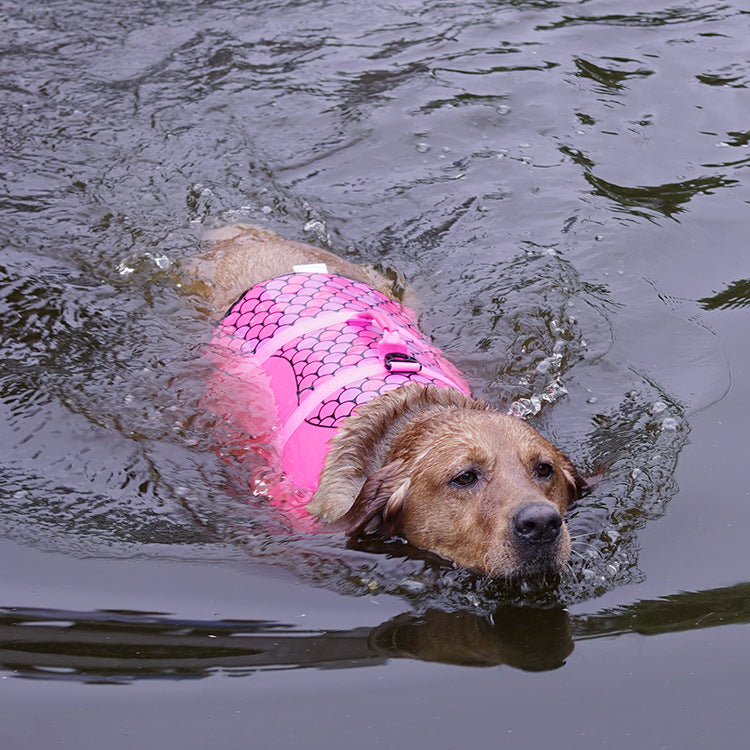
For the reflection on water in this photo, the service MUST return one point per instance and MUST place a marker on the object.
(499, 156)
(736, 294)
(118, 647)
(650, 200)
(125, 646)
(692, 610)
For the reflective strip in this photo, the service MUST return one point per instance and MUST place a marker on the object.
(310, 268)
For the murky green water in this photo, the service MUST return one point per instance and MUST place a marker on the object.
(564, 185)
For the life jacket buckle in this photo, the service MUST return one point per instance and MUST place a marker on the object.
(400, 362)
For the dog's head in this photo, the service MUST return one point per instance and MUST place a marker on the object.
(480, 488)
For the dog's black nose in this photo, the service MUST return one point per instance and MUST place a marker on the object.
(538, 523)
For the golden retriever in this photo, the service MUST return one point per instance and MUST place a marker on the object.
(428, 464)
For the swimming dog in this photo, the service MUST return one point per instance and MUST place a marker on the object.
(374, 425)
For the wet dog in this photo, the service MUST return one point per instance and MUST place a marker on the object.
(408, 453)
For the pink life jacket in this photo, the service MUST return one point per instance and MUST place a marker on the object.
(327, 344)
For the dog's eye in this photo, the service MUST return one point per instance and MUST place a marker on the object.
(544, 469)
(465, 479)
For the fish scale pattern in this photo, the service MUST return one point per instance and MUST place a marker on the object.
(267, 309)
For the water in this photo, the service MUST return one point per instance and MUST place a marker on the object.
(564, 186)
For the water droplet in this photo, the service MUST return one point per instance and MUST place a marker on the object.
(412, 587)
(315, 225)
(161, 261)
(657, 407)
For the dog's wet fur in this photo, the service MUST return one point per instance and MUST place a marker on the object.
(441, 470)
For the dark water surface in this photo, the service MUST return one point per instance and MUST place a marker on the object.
(565, 186)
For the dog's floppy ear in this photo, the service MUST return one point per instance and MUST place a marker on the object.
(577, 485)
(378, 504)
